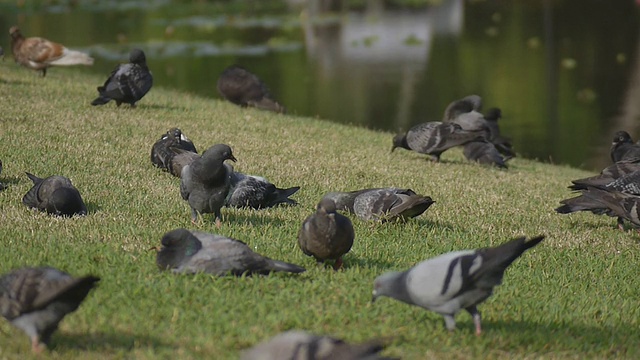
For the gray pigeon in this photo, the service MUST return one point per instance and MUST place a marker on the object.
(35, 300)
(326, 234)
(185, 251)
(607, 176)
(56, 195)
(485, 153)
(453, 281)
(257, 192)
(178, 159)
(434, 138)
(501, 143)
(613, 203)
(162, 153)
(205, 183)
(128, 83)
(623, 148)
(244, 88)
(381, 204)
(300, 345)
(466, 113)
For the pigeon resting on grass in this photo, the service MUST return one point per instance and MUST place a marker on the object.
(35, 300)
(244, 88)
(205, 183)
(485, 153)
(434, 138)
(623, 148)
(257, 192)
(128, 83)
(326, 234)
(161, 152)
(382, 204)
(38, 54)
(56, 195)
(453, 281)
(300, 345)
(189, 252)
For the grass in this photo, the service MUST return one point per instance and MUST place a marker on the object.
(574, 296)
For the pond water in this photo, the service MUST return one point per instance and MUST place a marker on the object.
(566, 73)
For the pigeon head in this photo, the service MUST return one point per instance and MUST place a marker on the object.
(66, 201)
(493, 114)
(175, 132)
(327, 206)
(400, 140)
(621, 137)
(387, 285)
(15, 33)
(136, 56)
(177, 246)
(220, 151)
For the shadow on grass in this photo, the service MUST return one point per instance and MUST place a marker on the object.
(105, 341)
(92, 207)
(250, 216)
(377, 264)
(13, 82)
(160, 107)
(10, 180)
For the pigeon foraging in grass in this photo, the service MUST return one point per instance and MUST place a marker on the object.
(453, 281)
(35, 300)
(434, 138)
(56, 195)
(185, 251)
(256, 192)
(128, 83)
(244, 88)
(38, 53)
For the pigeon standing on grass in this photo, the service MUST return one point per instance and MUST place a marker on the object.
(623, 148)
(35, 300)
(128, 83)
(38, 53)
(434, 138)
(300, 345)
(189, 252)
(244, 88)
(382, 204)
(453, 281)
(56, 195)
(161, 152)
(205, 183)
(326, 234)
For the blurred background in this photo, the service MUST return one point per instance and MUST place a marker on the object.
(565, 73)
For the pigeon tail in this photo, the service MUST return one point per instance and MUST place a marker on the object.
(282, 196)
(36, 180)
(502, 256)
(277, 265)
(580, 203)
(100, 100)
(267, 104)
(73, 57)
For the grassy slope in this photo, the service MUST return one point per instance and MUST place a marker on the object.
(576, 295)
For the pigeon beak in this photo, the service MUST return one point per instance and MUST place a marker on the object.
(233, 158)
(156, 248)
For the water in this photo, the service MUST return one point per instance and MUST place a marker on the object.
(565, 73)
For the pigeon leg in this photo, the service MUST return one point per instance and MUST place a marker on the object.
(338, 264)
(218, 219)
(194, 216)
(449, 322)
(477, 318)
(620, 224)
(434, 158)
(44, 72)
(36, 346)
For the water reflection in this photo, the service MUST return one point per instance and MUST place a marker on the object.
(566, 73)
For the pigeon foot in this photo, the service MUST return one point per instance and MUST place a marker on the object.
(338, 264)
(36, 346)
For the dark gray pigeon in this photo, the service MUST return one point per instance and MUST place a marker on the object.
(326, 234)
(623, 148)
(434, 138)
(56, 195)
(185, 251)
(381, 204)
(256, 192)
(485, 153)
(128, 83)
(453, 281)
(244, 88)
(466, 113)
(35, 300)
(161, 151)
(205, 183)
(607, 176)
(178, 159)
(501, 143)
(300, 345)
(615, 203)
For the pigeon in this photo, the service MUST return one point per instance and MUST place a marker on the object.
(501, 143)
(615, 203)
(178, 159)
(433, 138)
(381, 204)
(38, 53)
(623, 148)
(256, 192)
(465, 112)
(205, 183)
(300, 345)
(453, 281)
(607, 176)
(187, 251)
(485, 153)
(326, 235)
(161, 152)
(35, 300)
(56, 195)
(244, 88)
(128, 83)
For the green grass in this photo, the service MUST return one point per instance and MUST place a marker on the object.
(574, 296)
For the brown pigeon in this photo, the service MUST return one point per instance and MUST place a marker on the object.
(244, 88)
(38, 53)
